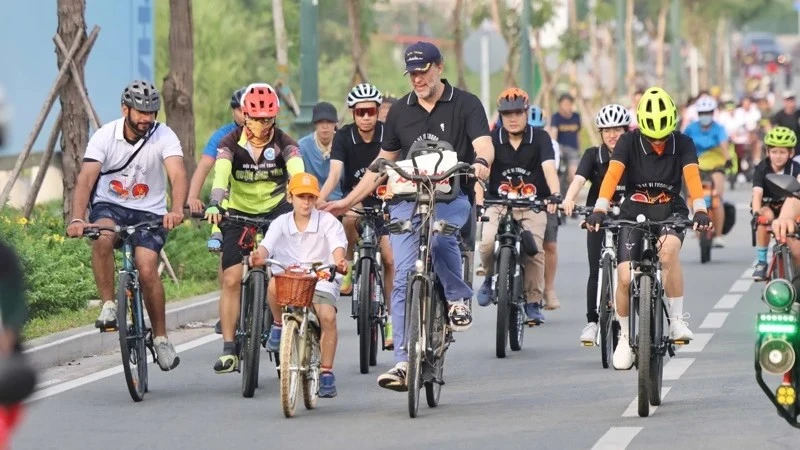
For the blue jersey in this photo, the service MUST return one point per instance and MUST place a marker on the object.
(214, 140)
(706, 139)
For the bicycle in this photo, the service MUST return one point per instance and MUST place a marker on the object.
(781, 265)
(300, 348)
(509, 271)
(135, 337)
(368, 305)
(712, 200)
(427, 330)
(647, 300)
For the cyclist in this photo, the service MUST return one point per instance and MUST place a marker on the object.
(523, 155)
(307, 235)
(780, 142)
(315, 147)
(656, 159)
(253, 166)
(711, 141)
(355, 146)
(436, 110)
(789, 116)
(131, 188)
(612, 121)
(206, 163)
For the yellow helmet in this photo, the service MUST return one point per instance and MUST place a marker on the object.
(656, 113)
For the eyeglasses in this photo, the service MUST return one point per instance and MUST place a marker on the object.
(262, 119)
(365, 112)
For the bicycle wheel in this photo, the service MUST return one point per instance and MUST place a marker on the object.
(466, 274)
(254, 304)
(311, 378)
(415, 344)
(365, 325)
(516, 321)
(131, 338)
(705, 247)
(605, 304)
(645, 342)
(433, 388)
(290, 367)
(504, 301)
(657, 358)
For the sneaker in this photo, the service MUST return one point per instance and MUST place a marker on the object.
(218, 327)
(589, 334)
(108, 315)
(165, 354)
(214, 245)
(623, 354)
(226, 363)
(395, 378)
(274, 341)
(534, 313)
(460, 316)
(327, 385)
(718, 242)
(388, 339)
(480, 271)
(760, 274)
(485, 293)
(679, 329)
(347, 282)
(551, 301)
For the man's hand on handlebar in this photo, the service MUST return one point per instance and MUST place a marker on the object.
(702, 222)
(75, 229)
(338, 207)
(595, 220)
(783, 227)
(552, 203)
(173, 219)
(481, 172)
(195, 205)
(568, 206)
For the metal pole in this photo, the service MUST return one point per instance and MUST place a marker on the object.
(620, 42)
(525, 59)
(309, 65)
(675, 47)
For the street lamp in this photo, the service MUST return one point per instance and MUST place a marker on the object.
(309, 65)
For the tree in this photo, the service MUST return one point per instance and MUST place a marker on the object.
(179, 82)
(74, 120)
(661, 32)
(458, 37)
(354, 20)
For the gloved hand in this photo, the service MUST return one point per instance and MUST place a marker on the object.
(702, 221)
(594, 220)
(479, 211)
(214, 213)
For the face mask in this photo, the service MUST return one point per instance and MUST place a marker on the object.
(258, 133)
(706, 120)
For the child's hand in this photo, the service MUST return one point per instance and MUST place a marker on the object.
(257, 258)
(342, 266)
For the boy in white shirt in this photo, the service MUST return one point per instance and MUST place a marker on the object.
(304, 236)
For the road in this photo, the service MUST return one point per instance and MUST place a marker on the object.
(553, 394)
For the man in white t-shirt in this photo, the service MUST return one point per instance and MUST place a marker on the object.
(122, 177)
(305, 236)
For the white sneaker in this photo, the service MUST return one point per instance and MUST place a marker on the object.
(679, 329)
(718, 242)
(623, 355)
(165, 354)
(108, 315)
(589, 333)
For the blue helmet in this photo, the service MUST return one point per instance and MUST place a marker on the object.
(535, 117)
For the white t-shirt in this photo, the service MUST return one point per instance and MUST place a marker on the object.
(142, 185)
(734, 123)
(324, 234)
(557, 152)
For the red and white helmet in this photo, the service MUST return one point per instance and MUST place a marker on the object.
(260, 100)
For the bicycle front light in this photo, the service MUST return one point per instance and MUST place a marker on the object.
(776, 356)
(779, 295)
(777, 324)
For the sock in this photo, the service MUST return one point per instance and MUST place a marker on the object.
(762, 254)
(277, 325)
(326, 369)
(624, 325)
(675, 306)
(229, 348)
(456, 302)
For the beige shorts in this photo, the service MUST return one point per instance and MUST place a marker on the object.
(324, 298)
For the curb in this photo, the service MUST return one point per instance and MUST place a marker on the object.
(68, 345)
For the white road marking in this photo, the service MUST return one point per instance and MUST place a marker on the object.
(697, 344)
(72, 384)
(617, 438)
(714, 320)
(633, 408)
(741, 286)
(728, 301)
(748, 274)
(676, 367)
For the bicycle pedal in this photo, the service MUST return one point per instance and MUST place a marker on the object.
(681, 341)
(438, 381)
(587, 344)
(109, 329)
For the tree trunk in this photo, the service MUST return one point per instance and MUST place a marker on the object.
(458, 38)
(705, 57)
(661, 32)
(179, 82)
(573, 27)
(630, 51)
(354, 21)
(719, 62)
(74, 120)
(281, 42)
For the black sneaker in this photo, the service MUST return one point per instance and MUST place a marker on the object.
(395, 378)
(760, 274)
(460, 317)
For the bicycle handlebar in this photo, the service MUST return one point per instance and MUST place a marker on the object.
(462, 166)
(315, 268)
(93, 231)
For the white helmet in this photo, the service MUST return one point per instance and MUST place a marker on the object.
(364, 92)
(705, 104)
(612, 116)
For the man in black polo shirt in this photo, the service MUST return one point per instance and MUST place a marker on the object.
(434, 110)
(789, 116)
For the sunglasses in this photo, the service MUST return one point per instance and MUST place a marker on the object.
(262, 119)
(365, 112)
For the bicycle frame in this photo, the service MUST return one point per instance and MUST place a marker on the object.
(137, 309)
(609, 249)
(368, 249)
(649, 266)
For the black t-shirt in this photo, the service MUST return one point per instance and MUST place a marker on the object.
(457, 118)
(356, 155)
(653, 178)
(13, 309)
(523, 164)
(568, 129)
(593, 167)
(760, 178)
(791, 121)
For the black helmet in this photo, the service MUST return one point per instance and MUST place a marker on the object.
(236, 98)
(141, 96)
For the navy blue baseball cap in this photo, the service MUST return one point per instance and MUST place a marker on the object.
(420, 57)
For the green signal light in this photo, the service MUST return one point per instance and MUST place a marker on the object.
(777, 328)
(779, 295)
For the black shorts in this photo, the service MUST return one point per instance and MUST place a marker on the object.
(629, 240)
(232, 234)
(154, 240)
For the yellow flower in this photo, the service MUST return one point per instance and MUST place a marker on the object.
(58, 238)
(22, 221)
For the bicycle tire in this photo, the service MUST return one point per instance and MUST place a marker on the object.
(433, 389)
(254, 318)
(133, 350)
(268, 322)
(365, 325)
(705, 247)
(311, 379)
(605, 304)
(415, 350)
(503, 294)
(290, 357)
(788, 265)
(657, 358)
(466, 275)
(644, 346)
(516, 320)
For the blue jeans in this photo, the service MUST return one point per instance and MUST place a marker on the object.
(445, 255)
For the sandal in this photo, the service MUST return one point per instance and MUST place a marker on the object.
(460, 317)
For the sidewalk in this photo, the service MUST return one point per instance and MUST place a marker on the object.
(68, 345)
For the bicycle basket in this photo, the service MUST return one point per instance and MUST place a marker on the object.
(295, 287)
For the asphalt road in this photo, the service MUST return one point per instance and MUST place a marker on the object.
(553, 394)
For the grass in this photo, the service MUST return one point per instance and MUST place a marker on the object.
(66, 320)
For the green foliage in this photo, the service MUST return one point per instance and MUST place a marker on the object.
(573, 45)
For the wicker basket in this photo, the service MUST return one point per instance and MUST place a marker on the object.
(295, 287)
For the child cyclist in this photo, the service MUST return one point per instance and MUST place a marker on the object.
(780, 142)
(307, 235)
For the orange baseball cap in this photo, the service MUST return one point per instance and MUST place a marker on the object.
(304, 183)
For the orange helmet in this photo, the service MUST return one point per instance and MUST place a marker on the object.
(513, 99)
(260, 100)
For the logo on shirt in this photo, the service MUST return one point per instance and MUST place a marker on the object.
(441, 125)
(269, 153)
(513, 190)
(129, 184)
(428, 136)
